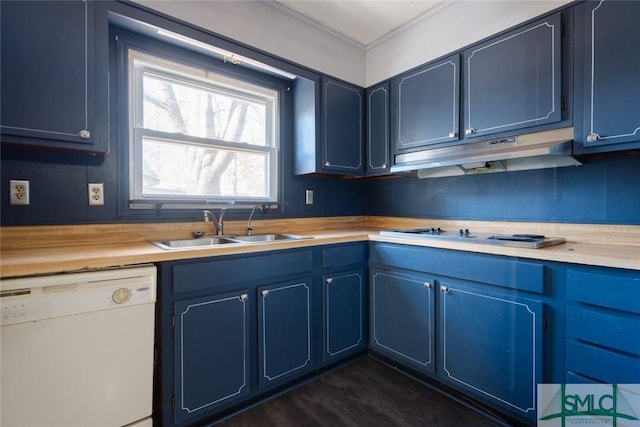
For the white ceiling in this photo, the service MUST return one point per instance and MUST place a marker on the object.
(361, 21)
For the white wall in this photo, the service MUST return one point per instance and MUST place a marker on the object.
(450, 27)
(456, 24)
(258, 24)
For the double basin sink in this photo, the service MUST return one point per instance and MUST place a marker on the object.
(206, 242)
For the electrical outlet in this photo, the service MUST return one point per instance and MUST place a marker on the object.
(308, 197)
(96, 194)
(18, 192)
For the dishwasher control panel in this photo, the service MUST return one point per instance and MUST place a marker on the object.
(13, 311)
(33, 299)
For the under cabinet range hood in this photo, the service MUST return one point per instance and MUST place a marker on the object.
(539, 150)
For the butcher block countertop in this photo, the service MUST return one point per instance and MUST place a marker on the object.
(32, 250)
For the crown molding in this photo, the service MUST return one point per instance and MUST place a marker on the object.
(409, 24)
(315, 24)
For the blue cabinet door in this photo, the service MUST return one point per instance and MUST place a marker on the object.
(514, 81)
(378, 130)
(342, 141)
(425, 105)
(284, 331)
(54, 77)
(608, 60)
(212, 341)
(344, 314)
(402, 318)
(490, 345)
(602, 325)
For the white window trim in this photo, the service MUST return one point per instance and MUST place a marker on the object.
(209, 80)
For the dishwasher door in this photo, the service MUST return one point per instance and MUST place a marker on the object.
(77, 349)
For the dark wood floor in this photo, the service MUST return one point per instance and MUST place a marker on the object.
(365, 393)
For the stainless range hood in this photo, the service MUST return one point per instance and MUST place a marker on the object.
(545, 149)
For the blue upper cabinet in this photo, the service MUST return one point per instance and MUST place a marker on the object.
(514, 81)
(328, 126)
(607, 76)
(342, 140)
(377, 130)
(425, 105)
(54, 84)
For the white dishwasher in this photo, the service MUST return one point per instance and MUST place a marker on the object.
(77, 349)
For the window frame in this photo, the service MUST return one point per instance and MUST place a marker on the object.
(165, 51)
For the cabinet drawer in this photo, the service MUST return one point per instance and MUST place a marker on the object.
(611, 289)
(489, 269)
(230, 271)
(601, 364)
(614, 331)
(341, 255)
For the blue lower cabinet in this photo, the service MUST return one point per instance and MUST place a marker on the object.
(402, 318)
(284, 331)
(603, 325)
(490, 345)
(211, 353)
(344, 313)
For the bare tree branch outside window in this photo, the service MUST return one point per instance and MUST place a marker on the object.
(205, 141)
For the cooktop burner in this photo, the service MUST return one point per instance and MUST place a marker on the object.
(532, 241)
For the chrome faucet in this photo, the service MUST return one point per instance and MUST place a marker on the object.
(218, 225)
(249, 229)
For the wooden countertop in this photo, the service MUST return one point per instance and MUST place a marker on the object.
(53, 249)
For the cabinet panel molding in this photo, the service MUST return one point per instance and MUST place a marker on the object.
(504, 335)
(514, 81)
(284, 313)
(402, 317)
(212, 362)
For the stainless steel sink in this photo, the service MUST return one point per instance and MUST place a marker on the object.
(207, 242)
(261, 238)
(201, 242)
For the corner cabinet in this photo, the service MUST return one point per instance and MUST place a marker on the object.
(471, 321)
(377, 153)
(425, 105)
(344, 300)
(403, 318)
(514, 81)
(54, 84)
(607, 76)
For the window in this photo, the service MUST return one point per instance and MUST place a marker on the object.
(199, 136)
